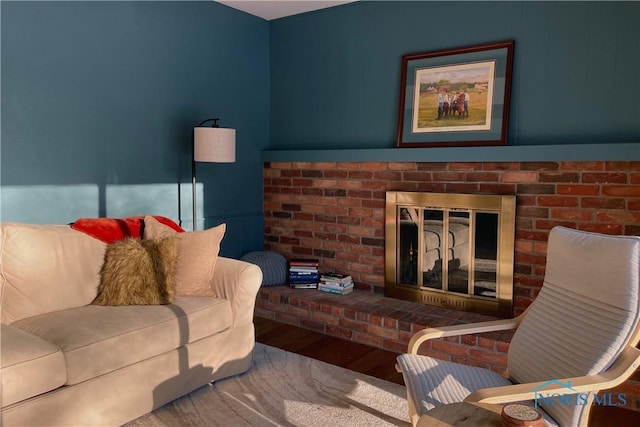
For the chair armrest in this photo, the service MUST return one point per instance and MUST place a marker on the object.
(239, 282)
(622, 369)
(470, 328)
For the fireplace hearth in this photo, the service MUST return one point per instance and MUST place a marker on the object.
(451, 250)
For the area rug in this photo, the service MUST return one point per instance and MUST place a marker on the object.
(286, 389)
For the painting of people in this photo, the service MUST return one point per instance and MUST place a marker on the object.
(454, 98)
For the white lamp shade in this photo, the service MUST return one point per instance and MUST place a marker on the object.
(214, 145)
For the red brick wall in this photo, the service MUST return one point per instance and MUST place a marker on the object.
(335, 211)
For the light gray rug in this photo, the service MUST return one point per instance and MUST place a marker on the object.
(286, 389)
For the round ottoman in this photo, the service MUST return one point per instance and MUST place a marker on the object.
(273, 266)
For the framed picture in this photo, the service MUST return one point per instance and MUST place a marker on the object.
(456, 97)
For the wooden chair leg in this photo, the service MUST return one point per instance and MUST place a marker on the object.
(413, 411)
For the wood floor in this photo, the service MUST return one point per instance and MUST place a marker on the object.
(381, 363)
(351, 355)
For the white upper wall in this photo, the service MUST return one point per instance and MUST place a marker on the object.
(274, 9)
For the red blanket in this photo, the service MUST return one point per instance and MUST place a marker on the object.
(110, 230)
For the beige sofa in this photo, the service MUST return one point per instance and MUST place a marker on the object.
(67, 362)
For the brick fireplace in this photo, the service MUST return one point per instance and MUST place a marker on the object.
(335, 211)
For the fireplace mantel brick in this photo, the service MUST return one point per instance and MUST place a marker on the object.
(334, 211)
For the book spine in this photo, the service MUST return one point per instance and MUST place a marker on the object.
(304, 263)
(330, 290)
(304, 277)
(336, 285)
(335, 291)
(304, 285)
(303, 280)
(333, 282)
(335, 279)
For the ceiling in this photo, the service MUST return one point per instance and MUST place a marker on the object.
(274, 9)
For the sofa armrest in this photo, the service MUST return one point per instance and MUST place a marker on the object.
(239, 282)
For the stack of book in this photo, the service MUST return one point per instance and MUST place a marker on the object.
(303, 273)
(336, 283)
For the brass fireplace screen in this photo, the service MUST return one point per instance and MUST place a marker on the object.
(469, 267)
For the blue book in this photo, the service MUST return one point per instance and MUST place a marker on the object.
(303, 280)
(313, 276)
(304, 273)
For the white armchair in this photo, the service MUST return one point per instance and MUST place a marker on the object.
(580, 332)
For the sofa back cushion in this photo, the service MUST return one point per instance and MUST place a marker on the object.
(45, 268)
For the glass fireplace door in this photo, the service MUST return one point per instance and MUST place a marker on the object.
(442, 247)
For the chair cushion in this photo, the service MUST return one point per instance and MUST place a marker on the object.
(432, 382)
(597, 266)
(29, 365)
(100, 339)
(45, 268)
(584, 315)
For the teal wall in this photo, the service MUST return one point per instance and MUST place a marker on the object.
(336, 74)
(99, 98)
(98, 104)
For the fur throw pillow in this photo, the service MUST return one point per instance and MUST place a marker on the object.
(138, 272)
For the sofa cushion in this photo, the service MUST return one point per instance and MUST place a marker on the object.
(28, 365)
(197, 256)
(97, 339)
(45, 268)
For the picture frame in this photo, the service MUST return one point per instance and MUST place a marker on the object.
(456, 97)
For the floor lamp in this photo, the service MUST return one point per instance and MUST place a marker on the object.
(211, 145)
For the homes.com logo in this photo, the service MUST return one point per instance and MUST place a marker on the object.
(573, 398)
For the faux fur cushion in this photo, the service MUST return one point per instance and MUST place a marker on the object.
(197, 255)
(109, 230)
(138, 272)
